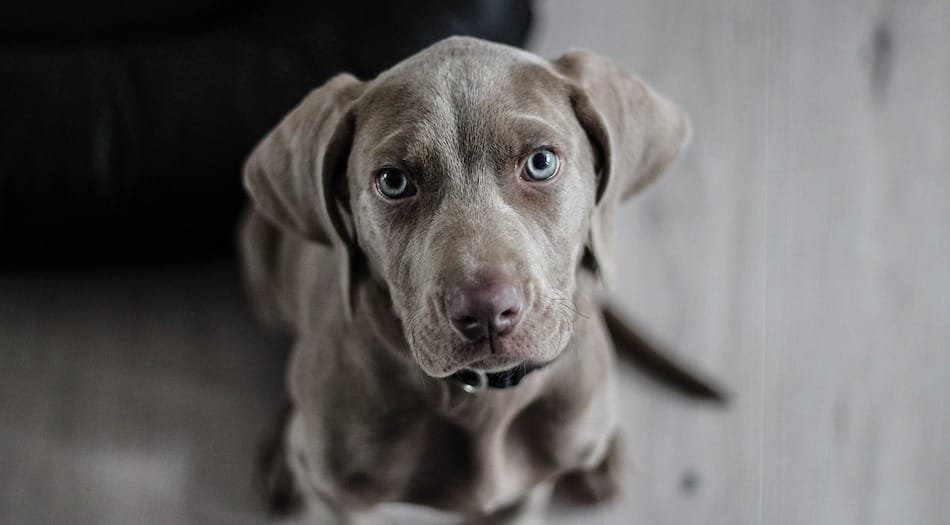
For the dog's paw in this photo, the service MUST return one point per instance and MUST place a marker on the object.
(600, 484)
(280, 492)
(274, 478)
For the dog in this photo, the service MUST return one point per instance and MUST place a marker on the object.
(434, 240)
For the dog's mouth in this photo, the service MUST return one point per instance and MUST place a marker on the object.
(494, 363)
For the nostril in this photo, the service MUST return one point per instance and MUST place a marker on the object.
(509, 314)
(505, 321)
(467, 322)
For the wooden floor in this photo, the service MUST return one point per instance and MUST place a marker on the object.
(800, 252)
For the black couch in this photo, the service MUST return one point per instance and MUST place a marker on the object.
(123, 125)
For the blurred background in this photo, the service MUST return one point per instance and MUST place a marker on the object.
(799, 252)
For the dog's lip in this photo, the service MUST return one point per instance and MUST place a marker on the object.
(482, 361)
(494, 363)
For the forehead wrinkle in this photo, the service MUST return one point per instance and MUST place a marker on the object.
(479, 128)
(391, 144)
(420, 140)
(432, 147)
(533, 128)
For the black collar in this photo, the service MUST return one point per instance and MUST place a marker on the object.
(473, 381)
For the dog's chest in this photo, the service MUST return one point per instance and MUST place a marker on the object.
(492, 460)
(469, 453)
(472, 461)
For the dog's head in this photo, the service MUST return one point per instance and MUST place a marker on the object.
(472, 182)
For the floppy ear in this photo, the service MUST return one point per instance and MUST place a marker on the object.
(293, 174)
(636, 132)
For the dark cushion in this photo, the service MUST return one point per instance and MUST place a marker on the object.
(123, 131)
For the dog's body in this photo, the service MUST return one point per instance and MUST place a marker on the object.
(389, 304)
(375, 428)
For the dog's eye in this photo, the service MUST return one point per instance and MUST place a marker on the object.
(394, 184)
(541, 165)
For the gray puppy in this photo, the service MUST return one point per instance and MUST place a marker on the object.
(433, 239)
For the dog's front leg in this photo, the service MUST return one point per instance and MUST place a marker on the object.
(288, 480)
(322, 511)
(599, 484)
(530, 510)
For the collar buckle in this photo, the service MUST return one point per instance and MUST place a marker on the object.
(473, 381)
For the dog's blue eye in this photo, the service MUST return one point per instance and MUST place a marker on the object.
(394, 184)
(541, 165)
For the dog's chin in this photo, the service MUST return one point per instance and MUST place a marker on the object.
(481, 357)
(493, 363)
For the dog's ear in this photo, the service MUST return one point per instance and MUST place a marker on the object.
(636, 134)
(296, 174)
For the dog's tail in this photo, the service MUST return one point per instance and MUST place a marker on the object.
(657, 362)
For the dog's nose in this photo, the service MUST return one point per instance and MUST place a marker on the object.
(489, 307)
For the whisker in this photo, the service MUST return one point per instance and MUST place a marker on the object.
(559, 299)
